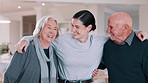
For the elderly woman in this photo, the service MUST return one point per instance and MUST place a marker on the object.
(38, 63)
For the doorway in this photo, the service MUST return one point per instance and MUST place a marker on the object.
(29, 23)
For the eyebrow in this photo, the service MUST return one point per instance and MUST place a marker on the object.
(56, 27)
(48, 24)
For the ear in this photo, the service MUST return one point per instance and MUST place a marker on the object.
(89, 27)
(126, 27)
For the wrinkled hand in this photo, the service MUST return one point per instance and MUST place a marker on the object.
(95, 72)
(20, 45)
(142, 35)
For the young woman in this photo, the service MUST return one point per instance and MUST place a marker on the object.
(38, 63)
(79, 52)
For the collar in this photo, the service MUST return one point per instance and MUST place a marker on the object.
(128, 40)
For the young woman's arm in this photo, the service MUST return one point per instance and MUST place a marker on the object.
(23, 43)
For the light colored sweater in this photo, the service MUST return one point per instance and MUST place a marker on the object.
(77, 61)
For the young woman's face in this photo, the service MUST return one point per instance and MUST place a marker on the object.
(79, 30)
(49, 31)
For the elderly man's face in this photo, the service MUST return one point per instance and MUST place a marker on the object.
(115, 30)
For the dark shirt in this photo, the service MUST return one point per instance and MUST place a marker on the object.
(47, 54)
(126, 63)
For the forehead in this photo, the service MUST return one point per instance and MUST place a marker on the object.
(52, 22)
(76, 21)
(114, 21)
(111, 23)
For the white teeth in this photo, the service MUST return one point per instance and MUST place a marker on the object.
(49, 36)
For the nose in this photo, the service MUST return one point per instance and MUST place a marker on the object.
(51, 30)
(108, 30)
(73, 29)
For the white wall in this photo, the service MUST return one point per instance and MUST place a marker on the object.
(13, 31)
(61, 13)
(4, 33)
(98, 1)
(10, 33)
(65, 13)
(14, 34)
(143, 18)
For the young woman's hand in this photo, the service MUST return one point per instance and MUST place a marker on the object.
(95, 72)
(142, 35)
(20, 45)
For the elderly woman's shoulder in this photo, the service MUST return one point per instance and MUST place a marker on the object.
(145, 42)
(31, 45)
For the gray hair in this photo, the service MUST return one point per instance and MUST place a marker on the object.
(40, 24)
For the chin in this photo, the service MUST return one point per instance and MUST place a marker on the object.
(49, 40)
(75, 36)
(112, 38)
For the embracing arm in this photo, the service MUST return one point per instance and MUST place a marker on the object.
(141, 35)
(23, 43)
(101, 66)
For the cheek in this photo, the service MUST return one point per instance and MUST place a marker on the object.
(80, 31)
(84, 31)
(44, 31)
(55, 33)
(120, 32)
(115, 31)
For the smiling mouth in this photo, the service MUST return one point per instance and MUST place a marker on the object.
(50, 36)
(75, 33)
(111, 34)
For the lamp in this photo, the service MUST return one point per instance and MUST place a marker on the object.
(2, 18)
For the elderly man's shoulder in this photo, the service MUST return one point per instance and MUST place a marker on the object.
(145, 41)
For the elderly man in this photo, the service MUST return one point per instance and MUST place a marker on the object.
(124, 55)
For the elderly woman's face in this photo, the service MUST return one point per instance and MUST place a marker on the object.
(49, 31)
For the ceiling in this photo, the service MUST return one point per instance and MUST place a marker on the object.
(7, 6)
(11, 6)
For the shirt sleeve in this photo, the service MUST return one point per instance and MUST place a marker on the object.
(27, 38)
(101, 65)
(136, 31)
(16, 68)
(106, 38)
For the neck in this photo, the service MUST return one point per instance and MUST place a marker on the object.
(125, 36)
(44, 43)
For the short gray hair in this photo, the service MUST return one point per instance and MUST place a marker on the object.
(40, 24)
